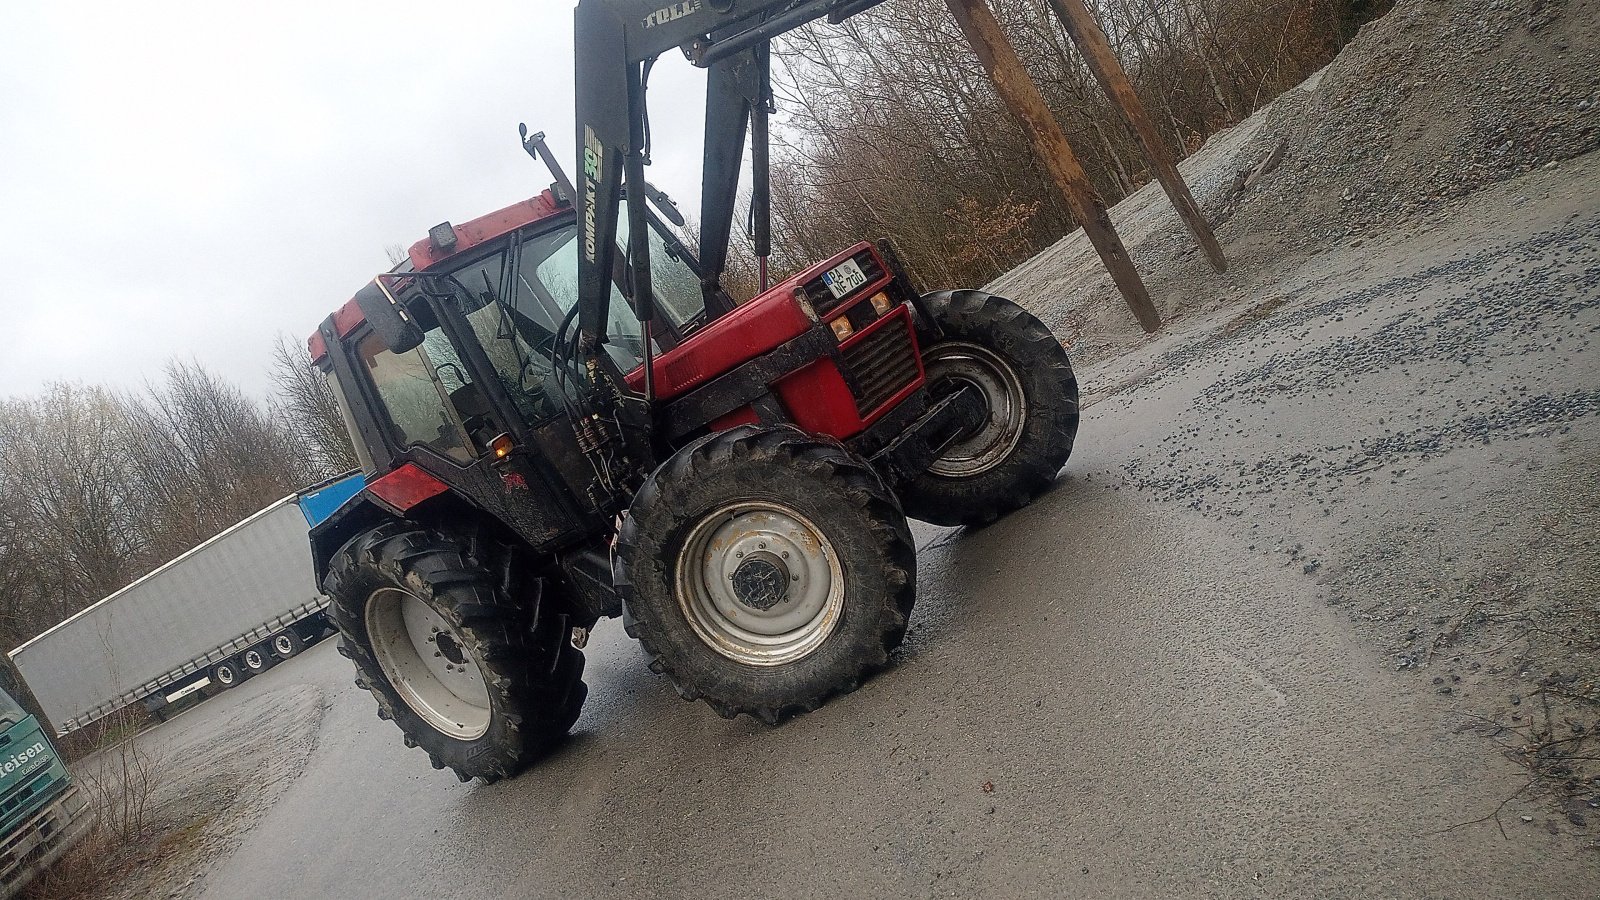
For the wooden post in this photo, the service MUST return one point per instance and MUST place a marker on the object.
(1096, 50)
(1019, 92)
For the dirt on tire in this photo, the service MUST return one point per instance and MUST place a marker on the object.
(836, 490)
(520, 645)
(1046, 407)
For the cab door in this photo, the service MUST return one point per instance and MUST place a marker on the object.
(434, 412)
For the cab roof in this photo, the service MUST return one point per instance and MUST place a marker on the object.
(423, 256)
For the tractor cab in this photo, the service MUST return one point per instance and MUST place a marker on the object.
(480, 381)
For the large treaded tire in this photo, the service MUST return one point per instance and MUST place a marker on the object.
(822, 482)
(522, 646)
(1017, 341)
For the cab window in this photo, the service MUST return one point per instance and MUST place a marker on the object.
(675, 284)
(417, 403)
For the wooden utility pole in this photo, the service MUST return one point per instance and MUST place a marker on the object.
(1096, 50)
(1017, 90)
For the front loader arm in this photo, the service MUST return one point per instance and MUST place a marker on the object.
(614, 39)
(604, 112)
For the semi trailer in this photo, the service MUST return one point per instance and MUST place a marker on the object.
(229, 608)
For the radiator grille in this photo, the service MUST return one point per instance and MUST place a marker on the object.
(883, 363)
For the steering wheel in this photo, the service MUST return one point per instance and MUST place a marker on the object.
(531, 379)
(455, 372)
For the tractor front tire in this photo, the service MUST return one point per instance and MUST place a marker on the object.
(483, 681)
(764, 570)
(1031, 400)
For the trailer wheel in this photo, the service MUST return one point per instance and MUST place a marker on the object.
(226, 674)
(476, 670)
(256, 660)
(764, 571)
(1026, 381)
(287, 643)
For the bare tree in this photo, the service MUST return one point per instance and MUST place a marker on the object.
(204, 455)
(306, 405)
(72, 532)
(889, 127)
(98, 487)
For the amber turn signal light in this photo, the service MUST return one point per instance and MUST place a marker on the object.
(882, 303)
(501, 446)
(842, 329)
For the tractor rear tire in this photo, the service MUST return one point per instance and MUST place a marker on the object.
(1026, 380)
(476, 669)
(765, 570)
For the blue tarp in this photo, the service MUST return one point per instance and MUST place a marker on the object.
(320, 502)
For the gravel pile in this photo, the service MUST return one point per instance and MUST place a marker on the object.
(1429, 103)
(1394, 389)
(1426, 106)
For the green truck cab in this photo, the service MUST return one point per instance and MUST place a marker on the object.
(42, 812)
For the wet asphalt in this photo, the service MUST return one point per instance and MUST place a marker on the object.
(1112, 693)
(1088, 706)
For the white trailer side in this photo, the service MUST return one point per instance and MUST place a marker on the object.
(231, 592)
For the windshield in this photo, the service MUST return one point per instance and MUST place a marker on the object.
(520, 299)
(11, 712)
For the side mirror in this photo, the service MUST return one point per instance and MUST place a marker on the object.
(396, 329)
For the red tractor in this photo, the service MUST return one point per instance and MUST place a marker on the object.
(564, 416)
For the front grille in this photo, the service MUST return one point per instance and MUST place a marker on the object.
(822, 299)
(882, 363)
(21, 798)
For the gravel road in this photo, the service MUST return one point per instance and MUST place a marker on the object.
(1184, 671)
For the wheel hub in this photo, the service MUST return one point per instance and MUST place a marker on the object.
(449, 648)
(761, 581)
(983, 447)
(427, 663)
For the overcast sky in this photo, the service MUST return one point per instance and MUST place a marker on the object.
(189, 179)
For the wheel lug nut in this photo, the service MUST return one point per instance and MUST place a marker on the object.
(738, 554)
(761, 546)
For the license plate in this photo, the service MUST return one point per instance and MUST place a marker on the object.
(844, 278)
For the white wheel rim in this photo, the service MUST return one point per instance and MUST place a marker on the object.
(225, 675)
(254, 660)
(424, 658)
(283, 645)
(760, 584)
(957, 363)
